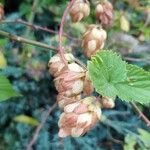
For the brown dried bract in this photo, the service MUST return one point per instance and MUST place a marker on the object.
(107, 102)
(88, 88)
(56, 65)
(104, 14)
(64, 100)
(79, 10)
(78, 118)
(93, 40)
(70, 81)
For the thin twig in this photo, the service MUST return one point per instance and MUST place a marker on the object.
(27, 41)
(141, 115)
(39, 127)
(136, 59)
(61, 51)
(36, 27)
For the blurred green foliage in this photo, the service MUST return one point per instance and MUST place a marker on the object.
(6, 90)
(27, 70)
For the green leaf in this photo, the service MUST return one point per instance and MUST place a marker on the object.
(130, 142)
(105, 70)
(6, 90)
(136, 87)
(113, 77)
(27, 120)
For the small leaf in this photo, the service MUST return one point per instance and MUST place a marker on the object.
(3, 61)
(6, 89)
(113, 77)
(26, 120)
(124, 23)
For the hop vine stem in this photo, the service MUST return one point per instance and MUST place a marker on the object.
(61, 50)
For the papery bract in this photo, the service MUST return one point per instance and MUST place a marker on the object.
(104, 13)
(93, 40)
(79, 10)
(79, 117)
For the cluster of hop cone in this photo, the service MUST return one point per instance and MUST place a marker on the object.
(81, 110)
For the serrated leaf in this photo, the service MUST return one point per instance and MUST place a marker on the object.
(105, 70)
(137, 86)
(113, 77)
(26, 120)
(6, 89)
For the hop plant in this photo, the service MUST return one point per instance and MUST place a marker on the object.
(79, 115)
(79, 10)
(93, 40)
(104, 13)
(81, 110)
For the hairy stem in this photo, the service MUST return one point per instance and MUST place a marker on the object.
(61, 50)
(141, 115)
